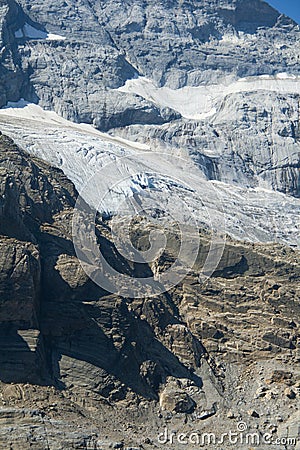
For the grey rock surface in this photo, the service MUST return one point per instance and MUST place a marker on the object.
(12, 77)
(252, 141)
(174, 43)
(98, 46)
(178, 42)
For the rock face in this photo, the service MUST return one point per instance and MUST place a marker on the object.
(12, 78)
(57, 327)
(216, 83)
(175, 44)
(175, 399)
(169, 42)
(90, 355)
(77, 58)
(252, 140)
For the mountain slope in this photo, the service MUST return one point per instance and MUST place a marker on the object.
(106, 43)
(225, 187)
(176, 88)
(177, 121)
(104, 354)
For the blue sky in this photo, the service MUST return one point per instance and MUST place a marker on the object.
(289, 7)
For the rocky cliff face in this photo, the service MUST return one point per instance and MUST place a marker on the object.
(12, 78)
(93, 355)
(177, 43)
(89, 61)
(213, 87)
(252, 141)
(99, 45)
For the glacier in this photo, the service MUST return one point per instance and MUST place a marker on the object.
(122, 169)
(201, 102)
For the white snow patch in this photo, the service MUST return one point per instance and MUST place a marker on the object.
(203, 101)
(32, 112)
(28, 31)
(190, 102)
(233, 38)
(285, 76)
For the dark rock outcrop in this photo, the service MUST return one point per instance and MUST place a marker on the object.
(14, 81)
(45, 292)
